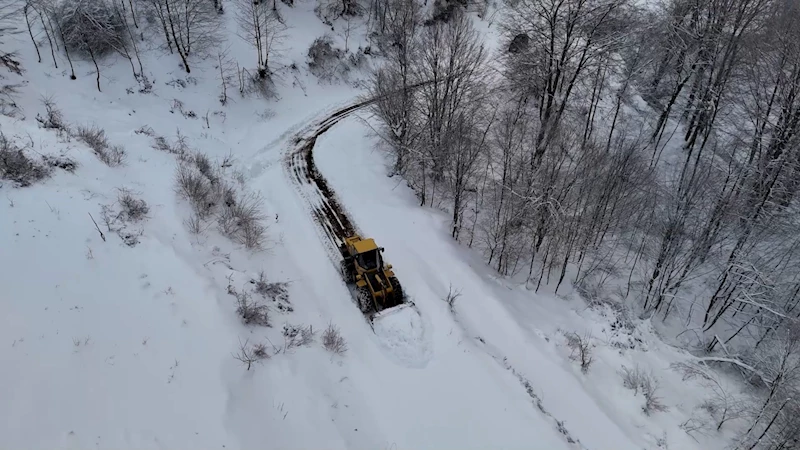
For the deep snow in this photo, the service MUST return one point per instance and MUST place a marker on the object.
(109, 346)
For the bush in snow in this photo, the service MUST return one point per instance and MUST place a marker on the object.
(241, 219)
(444, 10)
(239, 215)
(193, 186)
(95, 138)
(269, 289)
(132, 208)
(91, 26)
(194, 224)
(119, 216)
(452, 296)
(17, 167)
(581, 349)
(297, 335)
(251, 311)
(53, 118)
(329, 10)
(328, 62)
(249, 354)
(638, 380)
(8, 100)
(257, 84)
(333, 341)
(204, 165)
(277, 291)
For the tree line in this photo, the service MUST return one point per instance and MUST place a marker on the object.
(645, 153)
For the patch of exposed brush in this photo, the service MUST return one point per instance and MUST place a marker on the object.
(297, 336)
(123, 216)
(251, 311)
(96, 139)
(333, 341)
(277, 291)
(53, 118)
(238, 215)
(19, 168)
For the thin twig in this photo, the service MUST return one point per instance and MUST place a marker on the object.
(103, 236)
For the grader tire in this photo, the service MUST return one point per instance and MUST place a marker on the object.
(397, 291)
(365, 302)
(347, 271)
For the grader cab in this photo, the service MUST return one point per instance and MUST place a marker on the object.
(377, 287)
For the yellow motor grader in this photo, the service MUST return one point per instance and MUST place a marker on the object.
(377, 287)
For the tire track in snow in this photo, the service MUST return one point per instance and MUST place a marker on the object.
(496, 354)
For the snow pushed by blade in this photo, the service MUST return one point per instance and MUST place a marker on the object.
(401, 332)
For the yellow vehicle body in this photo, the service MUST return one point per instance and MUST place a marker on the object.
(376, 284)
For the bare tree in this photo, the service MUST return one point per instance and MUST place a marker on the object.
(563, 38)
(26, 10)
(451, 58)
(260, 27)
(189, 26)
(225, 76)
(393, 82)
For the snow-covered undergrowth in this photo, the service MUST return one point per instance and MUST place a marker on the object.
(120, 313)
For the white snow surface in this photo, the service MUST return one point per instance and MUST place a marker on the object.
(103, 345)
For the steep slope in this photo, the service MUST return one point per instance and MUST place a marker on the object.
(114, 344)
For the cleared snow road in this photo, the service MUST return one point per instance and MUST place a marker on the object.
(434, 384)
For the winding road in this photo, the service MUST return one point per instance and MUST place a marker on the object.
(328, 212)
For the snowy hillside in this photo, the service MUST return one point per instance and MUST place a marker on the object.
(121, 304)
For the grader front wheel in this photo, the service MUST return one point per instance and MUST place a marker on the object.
(348, 271)
(364, 299)
(397, 291)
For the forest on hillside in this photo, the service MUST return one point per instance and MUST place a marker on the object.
(648, 153)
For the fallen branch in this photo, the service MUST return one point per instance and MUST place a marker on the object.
(738, 364)
(103, 236)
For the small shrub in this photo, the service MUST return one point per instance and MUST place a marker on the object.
(241, 221)
(95, 138)
(297, 335)
(193, 186)
(248, 354)
(581, 349)
(258, 83)
(328, 10)
(452, 296)
(133, 209)
(637, 380)
(203, 164)
(274, 290)
(53, 118)
(260, 351)
(61, 162)
(194, 223)
(17, 167)
(145, 130)
(8, 100)
(325, 60)
(177, 105)
(333, 341)
(634, 378)
(180, 148)
(251, 311)
(445, 10)
(118, 222)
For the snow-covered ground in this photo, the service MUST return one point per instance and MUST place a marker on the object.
(107, 345)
